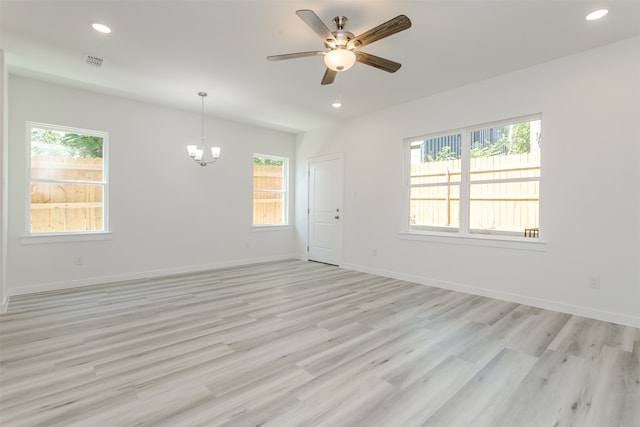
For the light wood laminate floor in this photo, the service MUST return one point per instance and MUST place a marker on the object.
(297, 343)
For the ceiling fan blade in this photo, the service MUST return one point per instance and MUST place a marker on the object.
(392, 26)
(329, 76)
(294, 55)
(380, 63)
(311, 19)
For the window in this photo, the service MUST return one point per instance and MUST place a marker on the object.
(68, 180)
(436, 170)
(270, 190)
(478, 180)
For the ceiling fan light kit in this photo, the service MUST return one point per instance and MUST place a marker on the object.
(339, 59)
(343, 45)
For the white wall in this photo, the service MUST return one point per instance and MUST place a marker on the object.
(590, 196)
(167, 214)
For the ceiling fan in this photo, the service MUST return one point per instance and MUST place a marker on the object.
(343, 45)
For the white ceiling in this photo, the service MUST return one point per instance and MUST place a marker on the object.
(165, 52)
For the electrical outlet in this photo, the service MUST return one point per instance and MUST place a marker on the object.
(594, 282)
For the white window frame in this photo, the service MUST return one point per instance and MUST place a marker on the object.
(464, 233)
(284, 191)
(67, 236)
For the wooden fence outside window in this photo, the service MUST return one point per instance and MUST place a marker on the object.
(268, 206)
(66, 206)
(511, 205)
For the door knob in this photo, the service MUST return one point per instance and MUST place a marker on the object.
(337, 217)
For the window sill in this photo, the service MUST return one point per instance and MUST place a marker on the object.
(260, 228)
(506, 242)
(37, 239)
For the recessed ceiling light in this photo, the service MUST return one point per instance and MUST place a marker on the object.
(100, 27)
(596, 14)
(337, 104)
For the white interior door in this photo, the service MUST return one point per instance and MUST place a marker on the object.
(325, 210)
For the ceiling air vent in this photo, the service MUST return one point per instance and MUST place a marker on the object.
(92, 60)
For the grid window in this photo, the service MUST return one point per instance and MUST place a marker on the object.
(68, 180)
(270, 190)
(479, 180)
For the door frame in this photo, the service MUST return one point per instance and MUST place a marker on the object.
(319, 159)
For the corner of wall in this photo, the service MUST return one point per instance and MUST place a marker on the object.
(4, 297)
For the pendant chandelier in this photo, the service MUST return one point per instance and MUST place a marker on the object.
(197, 152)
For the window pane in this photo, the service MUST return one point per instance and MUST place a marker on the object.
(268, 177)
(57, 207)
(510, 152)
(436, 160)
(435, 206)
(269, 190)
(66, 156)
(526, 165)
(505, 152)
(505, 207)
(268, 208)
(67, 168)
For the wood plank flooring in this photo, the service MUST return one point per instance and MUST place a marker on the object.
(297, 343)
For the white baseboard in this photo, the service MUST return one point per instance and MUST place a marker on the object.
(90, 281)
(621, 319)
